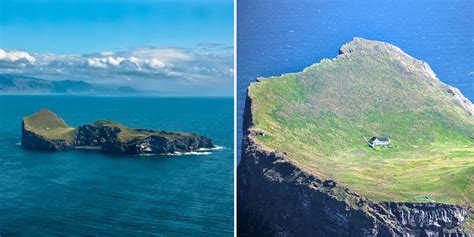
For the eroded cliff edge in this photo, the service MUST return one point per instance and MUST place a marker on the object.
(275, 197)
(47, 131)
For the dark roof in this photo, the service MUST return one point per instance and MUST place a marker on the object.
(382, 139)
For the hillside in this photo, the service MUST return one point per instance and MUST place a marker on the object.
(324, 116)
(19, 84)
(10, 83)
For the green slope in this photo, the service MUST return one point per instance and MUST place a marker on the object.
(322, 118)
(49, 125)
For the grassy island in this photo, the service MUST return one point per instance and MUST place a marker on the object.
(323, 117)
(45, 130)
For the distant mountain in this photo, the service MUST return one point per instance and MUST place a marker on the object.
(18, 84)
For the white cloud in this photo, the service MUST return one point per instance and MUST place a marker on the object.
(126, 64)
(104, 62)
(155, 63)
(16, 56)
(96, 63)
(143, 68)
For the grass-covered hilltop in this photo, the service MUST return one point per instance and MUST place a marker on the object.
(323, 117)
(370, 143)
(44, 130)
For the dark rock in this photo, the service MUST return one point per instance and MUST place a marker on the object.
(329, 184)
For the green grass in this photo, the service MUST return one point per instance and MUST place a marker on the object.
(49, 125)
(323, 117)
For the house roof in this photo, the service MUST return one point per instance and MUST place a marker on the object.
(382, 139)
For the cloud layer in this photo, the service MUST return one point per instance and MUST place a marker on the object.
(204, 70)
(16, 56)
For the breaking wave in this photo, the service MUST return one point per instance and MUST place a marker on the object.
(212, 149)
(199, 152)
(191, 153)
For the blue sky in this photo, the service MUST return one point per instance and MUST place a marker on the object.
(174, 47)
(86, 26)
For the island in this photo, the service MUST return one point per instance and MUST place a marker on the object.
(309, 165)
(46, 131)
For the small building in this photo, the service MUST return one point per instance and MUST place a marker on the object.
(378, 141)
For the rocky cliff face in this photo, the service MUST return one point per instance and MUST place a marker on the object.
(46, 131)
(277, 198)
(428, 218)
(107, 138)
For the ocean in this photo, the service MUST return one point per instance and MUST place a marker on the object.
(276, 37)
(89, 193)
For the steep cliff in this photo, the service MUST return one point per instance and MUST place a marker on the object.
(46, 131)
(288, 184)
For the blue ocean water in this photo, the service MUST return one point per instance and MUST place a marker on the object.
(275, 37)
(88, 193)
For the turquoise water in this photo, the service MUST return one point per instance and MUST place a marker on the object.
(87, 193)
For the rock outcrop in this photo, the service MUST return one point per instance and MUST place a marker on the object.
(46, 131)
(463, 101)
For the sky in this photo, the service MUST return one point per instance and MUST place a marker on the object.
(161, 44)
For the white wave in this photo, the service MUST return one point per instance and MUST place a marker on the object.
(199, 153)
(211, 149)
(18, 143)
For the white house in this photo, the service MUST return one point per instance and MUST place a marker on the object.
(378, 141)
